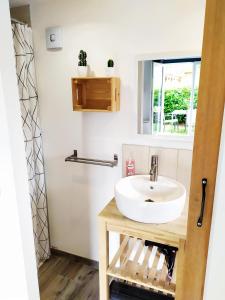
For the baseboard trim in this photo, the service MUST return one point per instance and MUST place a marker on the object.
(81, 259)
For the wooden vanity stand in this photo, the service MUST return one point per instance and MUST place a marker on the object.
(127, 263)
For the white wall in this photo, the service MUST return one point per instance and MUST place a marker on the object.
(18, 272)
(105, 29)
(214, 283)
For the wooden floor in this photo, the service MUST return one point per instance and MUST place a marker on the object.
(65, 277)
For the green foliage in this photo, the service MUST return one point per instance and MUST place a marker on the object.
(176, 99)
(82, 58)
(195, 98)
(110, 63)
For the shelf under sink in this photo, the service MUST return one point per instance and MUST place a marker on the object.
(142, 265)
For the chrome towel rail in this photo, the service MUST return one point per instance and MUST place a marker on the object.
(99, 162)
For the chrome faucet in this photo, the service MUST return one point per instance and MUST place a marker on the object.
(154, 168)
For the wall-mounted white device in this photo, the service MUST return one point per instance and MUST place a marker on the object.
(54, 38)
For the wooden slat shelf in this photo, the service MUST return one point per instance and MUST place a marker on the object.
(142, 265)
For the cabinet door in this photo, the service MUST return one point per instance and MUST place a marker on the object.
(206, 148)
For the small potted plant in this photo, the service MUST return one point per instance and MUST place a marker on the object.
(82, 64)
(110, 68)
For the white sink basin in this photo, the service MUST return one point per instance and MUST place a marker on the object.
(147, 201)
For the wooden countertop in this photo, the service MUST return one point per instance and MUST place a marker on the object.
(169, 233)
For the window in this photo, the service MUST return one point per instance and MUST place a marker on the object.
(168, 89)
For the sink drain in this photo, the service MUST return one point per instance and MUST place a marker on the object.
(149, 200)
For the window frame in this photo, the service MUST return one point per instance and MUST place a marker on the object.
(140, 59)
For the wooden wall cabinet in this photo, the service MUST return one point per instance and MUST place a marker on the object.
(96, 94)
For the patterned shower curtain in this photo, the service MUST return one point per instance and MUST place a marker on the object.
(22, 37)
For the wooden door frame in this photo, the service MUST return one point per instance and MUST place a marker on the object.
(206, 148)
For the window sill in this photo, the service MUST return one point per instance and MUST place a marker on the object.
(164, 141)
(173, 137)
